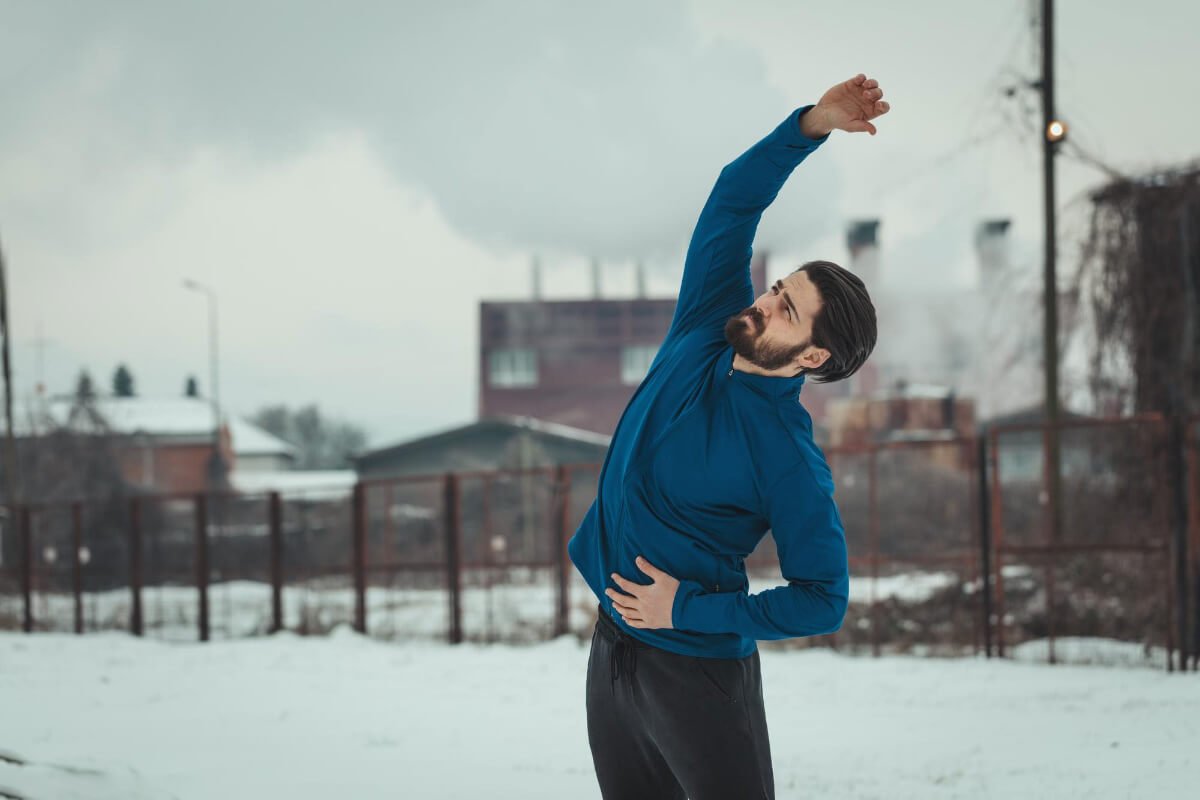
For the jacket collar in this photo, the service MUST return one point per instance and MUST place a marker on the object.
(771, 385)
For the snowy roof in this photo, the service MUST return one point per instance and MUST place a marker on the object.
(558, 429)
(554, 429)
(249, 439)
(309, 484)
(161, 416)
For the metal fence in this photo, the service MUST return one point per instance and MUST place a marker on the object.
(951, 552)
(1108, 572)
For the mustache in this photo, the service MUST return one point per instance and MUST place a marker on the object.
(755, 316)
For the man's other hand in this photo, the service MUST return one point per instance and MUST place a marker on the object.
(645, 606)
(848, 106)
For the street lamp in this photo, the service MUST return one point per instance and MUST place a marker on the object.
(1056, 130)
(216, 464)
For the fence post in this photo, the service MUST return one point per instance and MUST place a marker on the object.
(26, 531)
(201, 503)
(1193, 469)
(76, 567)
(985, 542)
(1177, 475)
(562, 492)
(359, 535)
(1051, 484)
(135, 566)
(873, 532)
(453, 565)
(276, 521)
(996, 537)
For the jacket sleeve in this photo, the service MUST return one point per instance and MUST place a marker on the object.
(716, 273)
(811, 543)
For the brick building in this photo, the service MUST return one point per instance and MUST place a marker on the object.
(577, 362)
(165, 443)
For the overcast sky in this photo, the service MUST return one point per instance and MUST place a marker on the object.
(353, 178)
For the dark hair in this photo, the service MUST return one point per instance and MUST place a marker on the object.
(845, 325)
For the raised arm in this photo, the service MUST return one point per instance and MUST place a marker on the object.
(811, 543)
(716, 273)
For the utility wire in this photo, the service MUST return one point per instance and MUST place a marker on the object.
(996, 88)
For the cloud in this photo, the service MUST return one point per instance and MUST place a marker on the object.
(593, 129)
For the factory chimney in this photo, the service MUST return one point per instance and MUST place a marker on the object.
(758, 271)
(992, 247)
(862, 242)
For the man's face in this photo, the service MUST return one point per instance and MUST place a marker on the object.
(777, 330)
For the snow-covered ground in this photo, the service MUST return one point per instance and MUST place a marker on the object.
(111, 716)
(519, 609)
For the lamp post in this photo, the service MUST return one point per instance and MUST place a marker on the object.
(216, 464)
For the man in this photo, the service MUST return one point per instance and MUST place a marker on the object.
(713, 450)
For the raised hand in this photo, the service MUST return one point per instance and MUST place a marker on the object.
(847, 106)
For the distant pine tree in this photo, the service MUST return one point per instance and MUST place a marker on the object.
(123, 382)
(191, 388)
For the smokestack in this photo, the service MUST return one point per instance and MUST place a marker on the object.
(596, 278)
(536, 268)
(862, 242)
(758, 272)
(640, 275)
(992, 247)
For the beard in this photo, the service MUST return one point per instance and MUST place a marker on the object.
(744, 331)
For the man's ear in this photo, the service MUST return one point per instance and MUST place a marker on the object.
(812, 358)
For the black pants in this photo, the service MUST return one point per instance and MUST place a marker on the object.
(663, 725)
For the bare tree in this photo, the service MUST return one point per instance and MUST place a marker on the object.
(323, 443)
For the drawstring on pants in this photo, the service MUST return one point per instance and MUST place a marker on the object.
(623, 658)
(622, 653)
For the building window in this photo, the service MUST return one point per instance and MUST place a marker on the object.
(636, 361)
(513, 367)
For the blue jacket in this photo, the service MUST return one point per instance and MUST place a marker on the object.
(706, 459)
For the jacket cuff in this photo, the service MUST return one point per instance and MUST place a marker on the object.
(686, 591)
(798, 137)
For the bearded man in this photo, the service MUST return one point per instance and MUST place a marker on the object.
(714, 449)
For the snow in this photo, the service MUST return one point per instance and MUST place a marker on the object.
(162, 416)
(315, 484)
(520, 609)
(517, 607)
(909, 587)
(108, 715)
(1088, 650)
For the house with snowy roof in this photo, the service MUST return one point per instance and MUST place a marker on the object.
(492, 442)
(166, 442)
